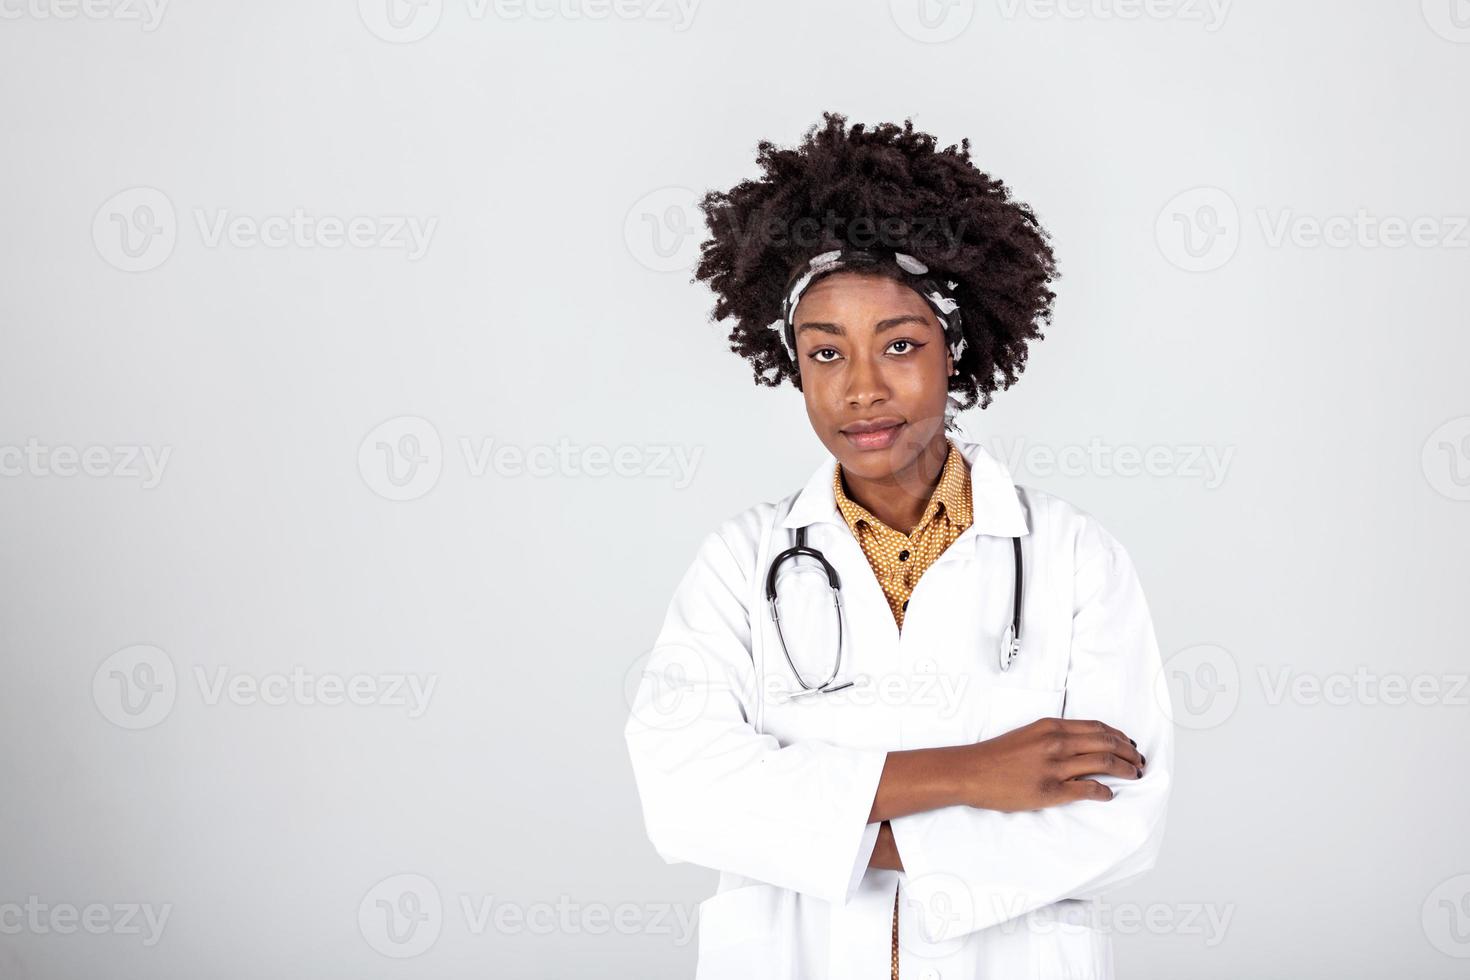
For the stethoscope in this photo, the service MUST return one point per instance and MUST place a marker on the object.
(1010, 643)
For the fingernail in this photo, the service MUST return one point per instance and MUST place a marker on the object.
(1133, 743)
(1142, 759)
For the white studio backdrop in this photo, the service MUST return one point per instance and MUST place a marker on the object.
(358, 417)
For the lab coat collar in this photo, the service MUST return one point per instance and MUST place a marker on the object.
(997, 509)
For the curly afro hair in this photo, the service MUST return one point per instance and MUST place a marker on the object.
(888, 187)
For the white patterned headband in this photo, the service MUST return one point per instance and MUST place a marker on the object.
(946, 308)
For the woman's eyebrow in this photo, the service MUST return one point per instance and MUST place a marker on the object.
(888, 324)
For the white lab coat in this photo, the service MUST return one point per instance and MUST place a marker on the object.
(775, 795)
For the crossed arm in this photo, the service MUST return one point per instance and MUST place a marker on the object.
(1017, 821)
(1045, 763)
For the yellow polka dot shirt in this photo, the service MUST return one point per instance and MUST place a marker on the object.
(899, 559)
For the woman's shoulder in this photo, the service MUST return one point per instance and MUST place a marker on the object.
(1061, 524)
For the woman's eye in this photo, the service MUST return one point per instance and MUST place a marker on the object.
(817, 354)
(905, 345)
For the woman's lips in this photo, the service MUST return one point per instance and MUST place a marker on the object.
(876, 438)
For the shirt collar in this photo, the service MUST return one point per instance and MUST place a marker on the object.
(996, 508)
(950, 494)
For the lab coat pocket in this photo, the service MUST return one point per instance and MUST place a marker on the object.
(747, 932)
(1008, 707)
(1065, 945)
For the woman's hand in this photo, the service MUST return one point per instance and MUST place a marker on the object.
(1045, 763)
(1036, 766)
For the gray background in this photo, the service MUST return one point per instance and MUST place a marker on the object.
(558, 157)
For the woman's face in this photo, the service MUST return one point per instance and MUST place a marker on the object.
(874, 371)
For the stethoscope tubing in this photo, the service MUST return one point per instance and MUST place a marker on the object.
(1010, 644)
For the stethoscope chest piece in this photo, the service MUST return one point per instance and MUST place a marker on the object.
(1010, 646)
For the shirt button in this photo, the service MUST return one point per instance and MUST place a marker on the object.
(903, 555)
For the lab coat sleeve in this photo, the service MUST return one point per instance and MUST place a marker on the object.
(716, 792)
(993, 866)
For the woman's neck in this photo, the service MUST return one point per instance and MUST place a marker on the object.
(899, 499)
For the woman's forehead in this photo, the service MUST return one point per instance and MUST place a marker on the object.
(863, 297)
